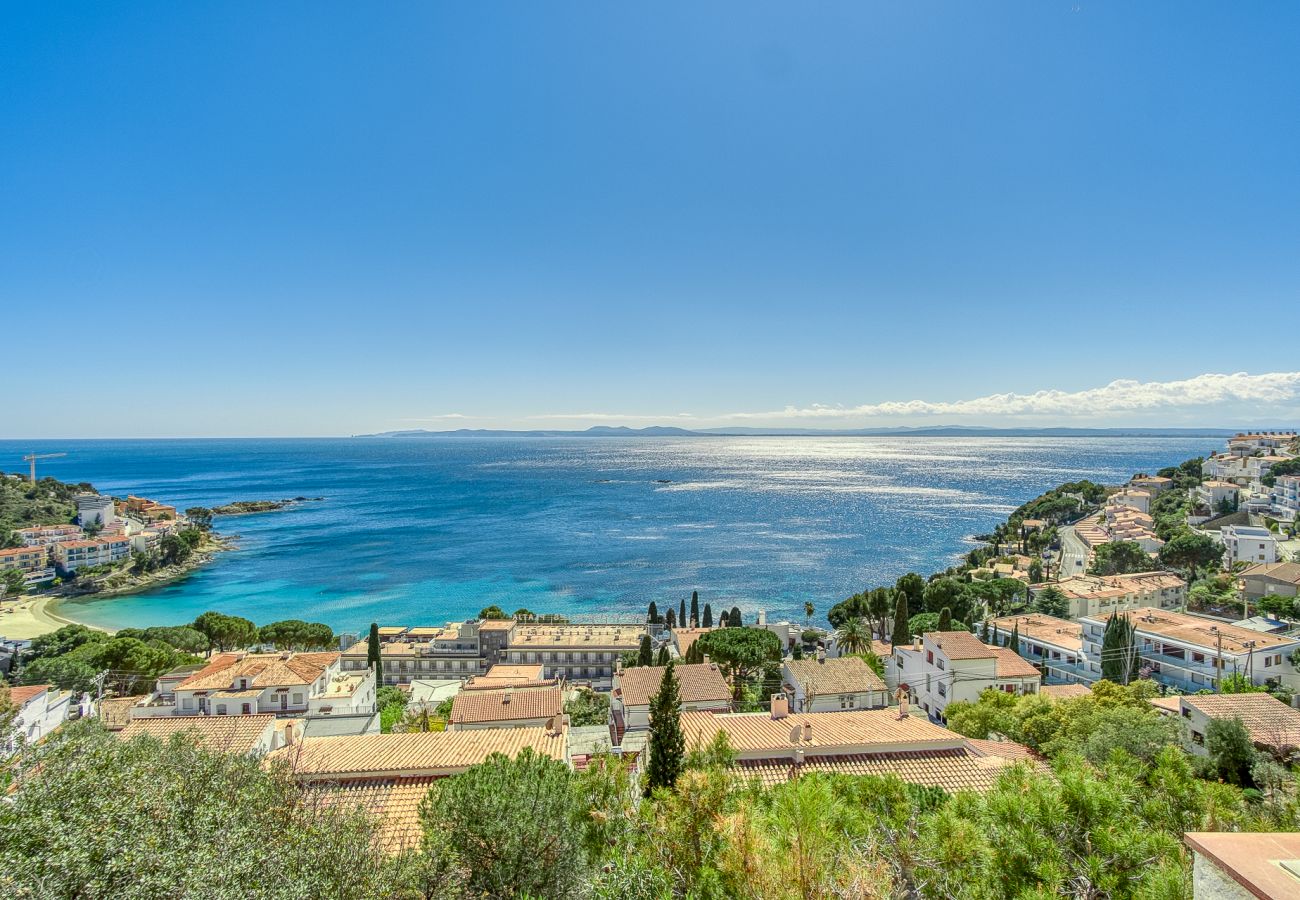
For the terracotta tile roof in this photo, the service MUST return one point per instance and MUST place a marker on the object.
(1269, 720)
(1288, 573)
(882, 649)
(848, 674)
(412, 755)
(1065, 691)
(115, 712)
(865, 730)
(953, 770)
(1012, 665)
(394, 802)
(1196, 631)
(262, 670)
(506, 705)
(1009, 750)
(959, 644)
(685, 637)
(1170, 704)
(697, 682)
(24, 694)
(1044, 629)
(234, 734)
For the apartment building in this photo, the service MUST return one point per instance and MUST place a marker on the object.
(1260, 441)
(43, 535)
(407, 654)
(148, 510)
(701, 685)
(284, 684)
(1215, 496)
(584, 654)
(1152, 484)
(1090, 595)
(1247, 544)
(776, 747)
(1284, 497)
(69, 556)
(948, 666)
(832, 685)
(1052, 644)
(1192, 653)
(95, 509)
(24, 559)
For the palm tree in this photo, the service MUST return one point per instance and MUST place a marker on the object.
(808, 610)
(853, 636)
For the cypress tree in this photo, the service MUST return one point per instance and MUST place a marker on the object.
(667, 742)
(1015, 639)
(373, 659)
(708, 617)
(945, 619)
(902, 634)
(672, 619)
(644, 653)
(1119, 650)
(695, 609)
(652, 614)
(681, 614)
(734, 620)
(722, 620)
(663, 656)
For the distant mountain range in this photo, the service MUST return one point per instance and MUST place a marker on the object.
(901, 431)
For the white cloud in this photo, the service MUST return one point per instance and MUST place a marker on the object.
(1274, 389)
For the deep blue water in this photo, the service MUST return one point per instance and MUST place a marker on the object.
(429, 530)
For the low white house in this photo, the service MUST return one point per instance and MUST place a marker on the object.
(38, 710)
(701, 686)
(285, 684)
(831, 685)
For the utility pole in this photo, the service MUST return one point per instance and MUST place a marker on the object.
(1218, 656)
(1250, 658)
(99, 690)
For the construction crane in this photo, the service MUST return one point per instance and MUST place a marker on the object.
(32, 457)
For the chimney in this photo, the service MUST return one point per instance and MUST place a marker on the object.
(289, 736)
(781, 706)
(798, 756)
(706, 659)
(510, 692)
(821, 654)
(807, 731)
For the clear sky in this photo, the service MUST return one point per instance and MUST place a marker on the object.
(330, 218)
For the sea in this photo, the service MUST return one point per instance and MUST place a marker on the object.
(430, 530)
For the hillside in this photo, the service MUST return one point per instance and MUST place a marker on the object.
(48, 502)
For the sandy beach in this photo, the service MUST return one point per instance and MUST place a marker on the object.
(29, 617)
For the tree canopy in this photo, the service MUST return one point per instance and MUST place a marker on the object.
(1119, 558)
(740, 652)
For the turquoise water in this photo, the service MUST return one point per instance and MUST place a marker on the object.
(429, 530)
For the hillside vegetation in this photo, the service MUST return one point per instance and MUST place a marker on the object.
(48, 502)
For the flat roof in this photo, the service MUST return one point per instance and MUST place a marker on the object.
(1197, 631)
(1253, 860)
(1045, 629)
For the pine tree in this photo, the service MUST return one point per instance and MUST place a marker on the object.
(681, 614)
(902, 634)
(695, 609)
(672, 619)
(1119, 650)
(734, 620)
(945, 619)
(644, 653)
(708, 617)
(652, 614)
(667, 742)
(663, 656)
(373, 659)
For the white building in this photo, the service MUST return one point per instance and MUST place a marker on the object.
(1054, 645)
(101, 551)
(949, 666)
(1134, 498)
(831, 685)
(95, 509)
(242, 684)
(1247, 544)
(1285, 497)
(1192, 653)
(1215, 496)
(1273, 726)
(43, 535)
(38, 710)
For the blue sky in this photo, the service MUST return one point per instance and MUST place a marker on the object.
(264, 219)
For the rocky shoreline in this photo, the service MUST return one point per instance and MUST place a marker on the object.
(249, 507)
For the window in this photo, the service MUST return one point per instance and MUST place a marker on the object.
(297, 699)
(1198, 738)
(187, 703)
(221, 709)
(939, 663)
(245, 709)
(929, 656)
